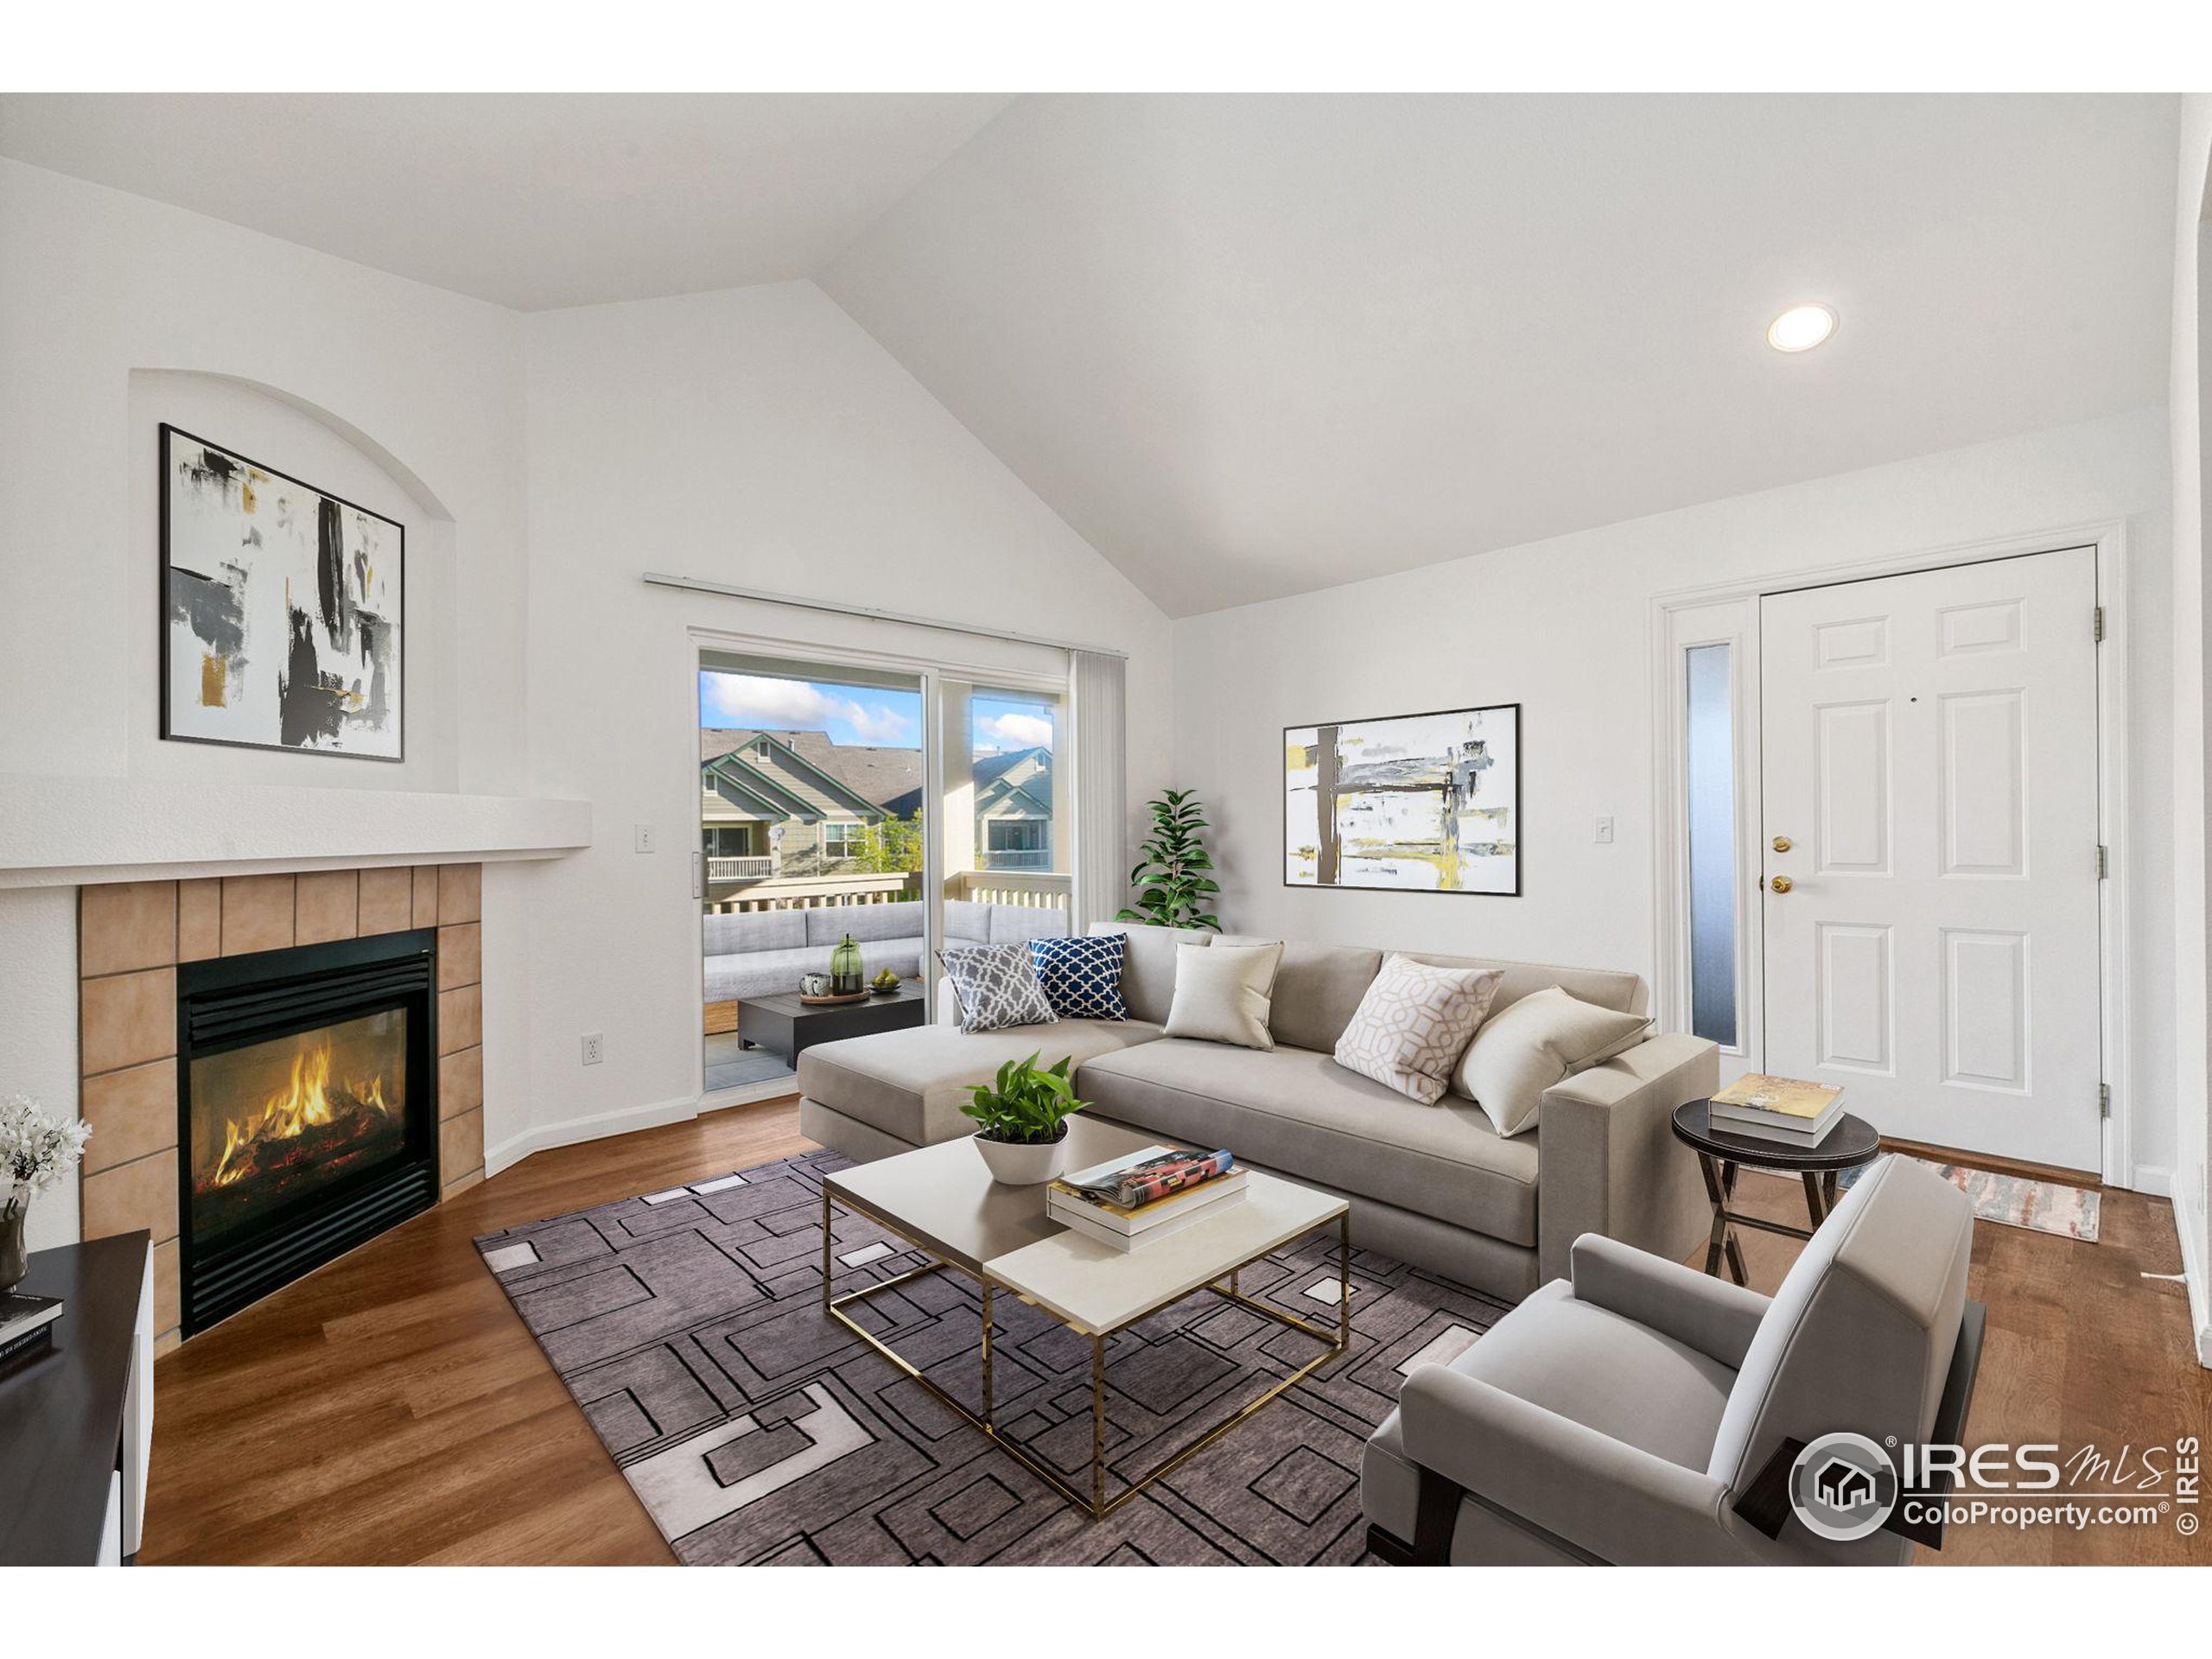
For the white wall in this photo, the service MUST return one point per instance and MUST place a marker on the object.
(2192, 302)
(756, 437)
(119, 313)
(1562, 626)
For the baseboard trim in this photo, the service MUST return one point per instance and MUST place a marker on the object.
(515, 1147)
(2189, 1223)
(2155, 1180)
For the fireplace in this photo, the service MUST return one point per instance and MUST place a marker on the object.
(308, 1110)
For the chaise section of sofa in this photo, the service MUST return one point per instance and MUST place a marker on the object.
(1435, 1185)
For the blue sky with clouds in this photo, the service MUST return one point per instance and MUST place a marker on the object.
(865, 714)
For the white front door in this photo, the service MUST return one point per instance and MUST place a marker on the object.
(1928, 754)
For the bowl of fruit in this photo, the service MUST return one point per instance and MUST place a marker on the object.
(886, 983)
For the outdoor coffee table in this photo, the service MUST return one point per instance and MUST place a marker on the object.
(786, 1027)
(941, 1200)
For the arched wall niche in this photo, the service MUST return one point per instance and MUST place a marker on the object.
(293, 435)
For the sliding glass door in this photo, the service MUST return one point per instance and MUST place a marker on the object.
(813, 820)
(1008, 832)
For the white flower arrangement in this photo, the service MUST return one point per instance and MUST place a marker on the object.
(36, 1151)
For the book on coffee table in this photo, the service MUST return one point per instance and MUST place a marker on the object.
(1088, 1200)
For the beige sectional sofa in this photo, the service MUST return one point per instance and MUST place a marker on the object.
(1433, 1185)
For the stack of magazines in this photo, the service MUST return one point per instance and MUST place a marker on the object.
(1780, 1109)
(1149, 1194)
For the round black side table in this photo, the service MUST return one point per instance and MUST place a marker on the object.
(1849, 1143)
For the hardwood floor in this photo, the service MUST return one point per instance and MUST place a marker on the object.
(2081, 1349)
(391, 1408)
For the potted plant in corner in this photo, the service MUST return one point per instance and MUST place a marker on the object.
(1024, 1113)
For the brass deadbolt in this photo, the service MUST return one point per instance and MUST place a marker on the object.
(1782, 843)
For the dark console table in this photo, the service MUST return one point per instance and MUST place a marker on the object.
(786, 1026)
(75, 1423)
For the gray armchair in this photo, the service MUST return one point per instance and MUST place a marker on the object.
(1641, 1412)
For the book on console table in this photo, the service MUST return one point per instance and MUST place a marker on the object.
(27, 1324)
(1782, 1109)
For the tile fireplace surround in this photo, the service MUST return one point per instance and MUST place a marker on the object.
(130, 937)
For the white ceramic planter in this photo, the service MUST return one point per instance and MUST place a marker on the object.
(1020, 1163)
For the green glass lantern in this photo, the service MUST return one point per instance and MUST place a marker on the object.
(845, 967)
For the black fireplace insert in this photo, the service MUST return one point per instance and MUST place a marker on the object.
(308, 1110)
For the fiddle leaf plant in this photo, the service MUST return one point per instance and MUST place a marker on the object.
(1024, 1106)
(1173, 880)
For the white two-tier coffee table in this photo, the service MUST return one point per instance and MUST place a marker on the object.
(941, 1200)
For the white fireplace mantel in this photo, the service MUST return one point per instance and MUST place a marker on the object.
(83, 831)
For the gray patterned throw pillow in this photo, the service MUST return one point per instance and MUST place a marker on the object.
(997, 986)
(1414, 1024)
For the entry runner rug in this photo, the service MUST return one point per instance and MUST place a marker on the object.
(688, 1324)
(2015, 1201)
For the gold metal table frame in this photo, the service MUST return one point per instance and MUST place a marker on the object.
(1096, 1504)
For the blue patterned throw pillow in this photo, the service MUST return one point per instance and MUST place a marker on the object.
(1082, 977)
(997, 986)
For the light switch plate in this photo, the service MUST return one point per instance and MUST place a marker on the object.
(1605, 832)
(642, 834)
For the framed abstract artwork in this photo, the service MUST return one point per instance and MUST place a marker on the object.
(1413, 803)
(284, 610)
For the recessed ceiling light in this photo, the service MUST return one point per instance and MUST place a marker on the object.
(1801, 328)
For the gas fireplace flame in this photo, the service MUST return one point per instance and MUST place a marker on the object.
(307, 1102)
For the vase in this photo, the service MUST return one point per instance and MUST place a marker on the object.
(845, 969)
(1024, 1163)
(14, 1263)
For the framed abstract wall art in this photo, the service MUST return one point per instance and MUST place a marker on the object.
(284, 610)
(1414, 803)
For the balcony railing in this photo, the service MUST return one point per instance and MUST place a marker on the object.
(814, 892)
(741, 869)
(1037, 889)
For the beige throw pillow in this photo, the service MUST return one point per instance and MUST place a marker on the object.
(1523, 1050)
(1414, 1024)
(1224, 993)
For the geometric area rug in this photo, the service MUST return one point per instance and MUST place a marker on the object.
(688, 1324)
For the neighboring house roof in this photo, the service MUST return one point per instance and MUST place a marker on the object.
(1018, 782)
(732, 767)
(1018, 785)
(887, 778)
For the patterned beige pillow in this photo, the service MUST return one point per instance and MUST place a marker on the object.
(1414, 1024)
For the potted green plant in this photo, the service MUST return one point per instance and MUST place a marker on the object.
(1174, 879)
(1024, 1113)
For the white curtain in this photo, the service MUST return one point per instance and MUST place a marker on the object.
(1102, 860)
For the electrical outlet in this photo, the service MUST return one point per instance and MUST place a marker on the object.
(642, 833)
(1605, 832)
(594, 1047)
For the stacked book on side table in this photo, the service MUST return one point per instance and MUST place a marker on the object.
(1150, 1194)
(1781, 1109)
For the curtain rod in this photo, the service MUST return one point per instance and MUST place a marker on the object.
(693, 585)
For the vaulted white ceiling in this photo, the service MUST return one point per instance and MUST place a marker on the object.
(1249, 345)
(531, 200)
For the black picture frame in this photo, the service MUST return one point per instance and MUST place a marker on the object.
(1520, 874)
(168, 733)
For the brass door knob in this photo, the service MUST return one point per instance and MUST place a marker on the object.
(1779, 884)
(1782, 843)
